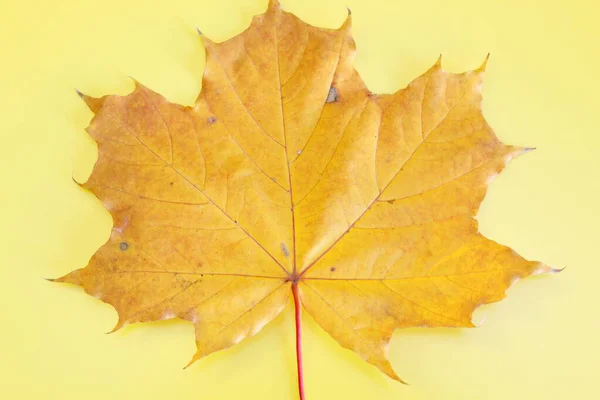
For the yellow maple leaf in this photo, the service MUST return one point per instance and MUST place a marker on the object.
(287, 179)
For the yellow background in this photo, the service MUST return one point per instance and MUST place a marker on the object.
(541, 90)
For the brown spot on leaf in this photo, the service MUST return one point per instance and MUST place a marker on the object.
(285, 249)
(332, 95)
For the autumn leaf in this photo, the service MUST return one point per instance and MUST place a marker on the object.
(287, 179)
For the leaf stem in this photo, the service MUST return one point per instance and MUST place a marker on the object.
(298, 314)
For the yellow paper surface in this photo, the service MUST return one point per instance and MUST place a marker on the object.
(541, 90)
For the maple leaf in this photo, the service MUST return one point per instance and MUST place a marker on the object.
(289, 179)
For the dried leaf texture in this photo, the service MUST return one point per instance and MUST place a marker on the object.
(289, 170)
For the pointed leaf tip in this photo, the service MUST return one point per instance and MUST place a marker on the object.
(347, 25)
(395, 377)
(546, 269)
(484, 63)
(519, 151)
(93, 103)
(117, 327)
(525, 150)
(135, 81)
(205, 39)
(76, 181)
(402, 381)
(189, 364)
